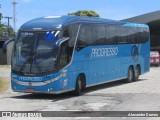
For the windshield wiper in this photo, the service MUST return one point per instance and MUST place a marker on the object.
(33, 58)
(26, 61)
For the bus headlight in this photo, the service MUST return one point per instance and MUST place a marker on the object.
(50, 81)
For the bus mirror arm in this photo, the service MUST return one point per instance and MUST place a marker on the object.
(6, 43)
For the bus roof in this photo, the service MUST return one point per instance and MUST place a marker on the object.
(57, 22)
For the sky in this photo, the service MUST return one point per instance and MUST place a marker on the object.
(110, 9)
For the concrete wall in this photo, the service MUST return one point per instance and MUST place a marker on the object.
(9, 52)
(3, 57)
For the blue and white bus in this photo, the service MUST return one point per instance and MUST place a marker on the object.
(56, 54)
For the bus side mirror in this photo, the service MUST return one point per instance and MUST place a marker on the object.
(60, 41)
(6, 43)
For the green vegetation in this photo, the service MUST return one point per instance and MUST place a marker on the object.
(4, 85)
(0, 16)
(85, 13)
(0, 85)
(5, 29)
(4, 78)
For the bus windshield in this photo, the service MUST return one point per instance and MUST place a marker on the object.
(35, 52)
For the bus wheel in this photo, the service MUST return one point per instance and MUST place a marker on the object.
(130, 75)
(136, 73)
(78, 88)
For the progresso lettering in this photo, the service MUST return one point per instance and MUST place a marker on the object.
(104, 52)
(30, 78)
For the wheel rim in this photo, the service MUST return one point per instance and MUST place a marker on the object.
(137, 73)
(130, 74)
(79, 85)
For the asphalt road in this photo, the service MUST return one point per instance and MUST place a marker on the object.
(143, 95)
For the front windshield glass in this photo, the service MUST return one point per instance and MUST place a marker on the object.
(35, 52)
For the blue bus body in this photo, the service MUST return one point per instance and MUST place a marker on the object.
(96, 62)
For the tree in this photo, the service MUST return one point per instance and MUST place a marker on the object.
(5, 30)
(0, 17)
(85, 13)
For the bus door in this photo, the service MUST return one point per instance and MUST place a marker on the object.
(65, 55)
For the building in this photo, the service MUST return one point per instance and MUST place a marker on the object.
(5, 56)
(153, 21)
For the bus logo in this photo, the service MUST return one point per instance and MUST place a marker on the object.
(49, 36)
(135, 53)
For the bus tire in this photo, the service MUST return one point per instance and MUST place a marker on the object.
(136, 73)
(78, 89)
(130, 75)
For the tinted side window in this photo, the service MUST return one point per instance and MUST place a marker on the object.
(131, 35)
(64, 54)
(139, 35)
(85, 36)
(66, 31)
(71, 32)
(111, 35)
(99, 35)
(146, 34)
(122, 35)
(127, 33)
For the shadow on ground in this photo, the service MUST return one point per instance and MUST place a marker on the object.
(57, 97)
